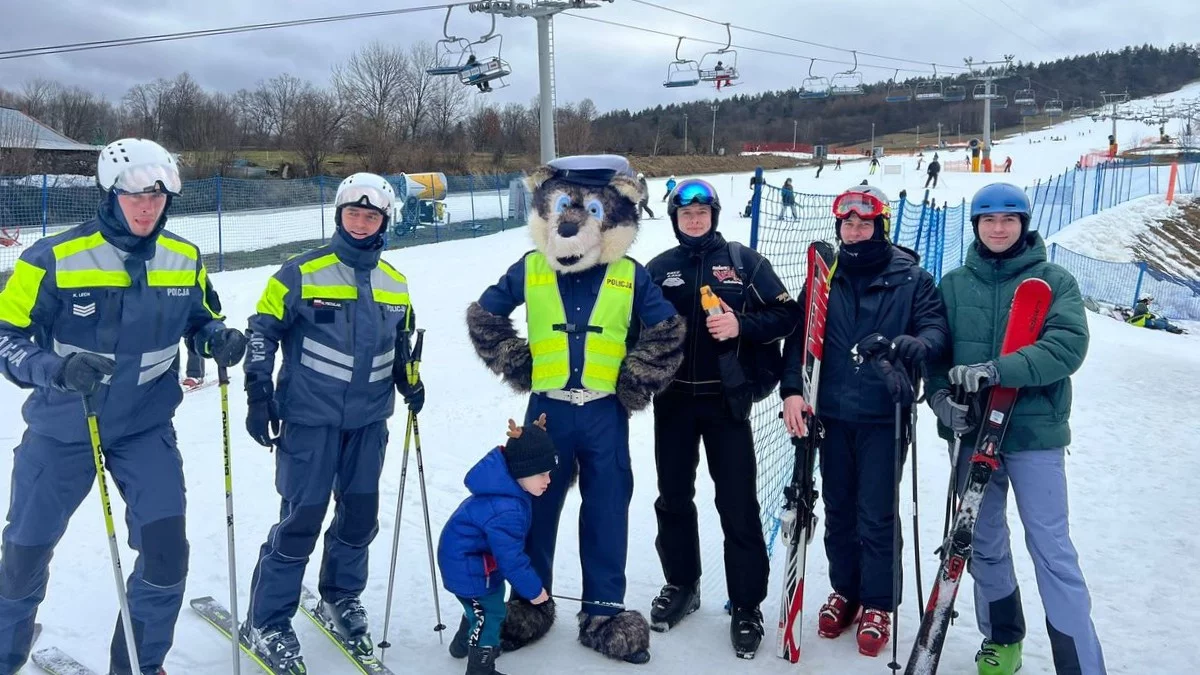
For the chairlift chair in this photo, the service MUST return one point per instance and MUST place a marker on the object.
(847, 82)
(955, 94)
(450, 52)
(897, 93)
(981, 93)
(717, 70)
(486, 71)
(1000, 102)
(1029, 110)
(814, 87)
(929, 90)
(682, 72)
(1054, 107)
(1025, 97)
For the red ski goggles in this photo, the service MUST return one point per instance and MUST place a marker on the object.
(866, 205)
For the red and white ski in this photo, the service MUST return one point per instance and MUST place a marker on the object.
(1026, 317)
(798, 520)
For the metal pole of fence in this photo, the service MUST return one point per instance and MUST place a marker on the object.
(1097, 189)
(1054, 201)
(321, 200)
(962, 233)
(471, 191)
(1053, 251)
(1137, 291)
(220, 231)
(899, 218)
(45, 202)
(755, 207)
(500, 202)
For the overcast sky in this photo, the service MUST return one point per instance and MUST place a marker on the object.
(616, 67)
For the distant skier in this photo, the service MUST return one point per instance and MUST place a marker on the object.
(787, 197)
(671, 186)
(1032, 455)
(1008, 165)
(1142, 316)
(874, 165)
(820, 166)
(644, 205)
(837, 164)
(935, 167)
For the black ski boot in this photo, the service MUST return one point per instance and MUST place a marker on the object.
(746, 631)
(347, 617)
(482, 661)
(458, 645)
(277, 646)
(672, 604)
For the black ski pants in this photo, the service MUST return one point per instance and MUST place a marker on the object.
(858, 484)
(680, 422)
(931, 179)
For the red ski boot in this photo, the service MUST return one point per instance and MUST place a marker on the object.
(836, 616)
(873, 632)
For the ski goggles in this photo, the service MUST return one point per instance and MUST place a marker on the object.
(149, 178)
(693, 192)
(367, 197)
(866, 205)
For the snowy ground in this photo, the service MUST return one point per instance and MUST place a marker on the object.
(1132, 495)
(1131, 519)
(1111, 234)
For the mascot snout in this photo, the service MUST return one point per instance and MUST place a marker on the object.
(568, 228)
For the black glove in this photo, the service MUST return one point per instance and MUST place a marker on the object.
(414, 395)
(83, 372)
(871, 348)
(898, 383)
(227, 346)
(262, 415)
(912, 351)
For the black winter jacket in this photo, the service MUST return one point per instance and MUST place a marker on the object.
(901, 300)
(766, 312)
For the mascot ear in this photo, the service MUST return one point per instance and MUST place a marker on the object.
(541, 175)
(628, 188)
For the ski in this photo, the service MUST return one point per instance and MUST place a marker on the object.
(1026, 317)
(57, 662)
(361, 651)
(798, 521)
(218, 617)
(199, 387)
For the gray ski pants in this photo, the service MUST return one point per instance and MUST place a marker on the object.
(1039, 484)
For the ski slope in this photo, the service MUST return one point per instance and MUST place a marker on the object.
(1131, 474)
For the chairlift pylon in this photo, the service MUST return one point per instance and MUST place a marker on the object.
(814, 87)
(720, 73)
(929, 90)
(450, 52)
(682, 72)
(847, 82)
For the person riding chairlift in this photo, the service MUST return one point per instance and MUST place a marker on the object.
(484, 86)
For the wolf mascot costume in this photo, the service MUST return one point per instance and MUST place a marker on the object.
(601, 342)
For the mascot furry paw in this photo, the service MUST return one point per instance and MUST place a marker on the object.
(600, 341)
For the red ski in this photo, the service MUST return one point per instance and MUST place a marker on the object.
(798, 520)
(1026, 317)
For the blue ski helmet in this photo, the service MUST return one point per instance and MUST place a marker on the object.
(1001, 198)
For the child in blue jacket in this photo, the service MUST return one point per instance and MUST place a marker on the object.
(483, 543)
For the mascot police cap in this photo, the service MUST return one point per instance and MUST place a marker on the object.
(590, 170)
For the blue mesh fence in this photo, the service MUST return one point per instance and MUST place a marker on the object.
(239, 223)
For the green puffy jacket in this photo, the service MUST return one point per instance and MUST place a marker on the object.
(977, 297)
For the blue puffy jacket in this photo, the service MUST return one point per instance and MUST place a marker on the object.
(344, 319)
(98, 288)
(483, 543)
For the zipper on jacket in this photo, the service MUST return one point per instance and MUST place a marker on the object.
(691, 320)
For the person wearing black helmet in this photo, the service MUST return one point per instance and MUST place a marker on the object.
(731, 359)
(884, 321)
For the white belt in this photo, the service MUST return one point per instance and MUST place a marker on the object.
(575, 396)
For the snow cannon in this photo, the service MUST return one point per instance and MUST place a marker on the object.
(421, 186)
(421, 197)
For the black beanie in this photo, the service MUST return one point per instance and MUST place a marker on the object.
(530, 453)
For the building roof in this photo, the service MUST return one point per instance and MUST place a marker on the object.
(20, 131)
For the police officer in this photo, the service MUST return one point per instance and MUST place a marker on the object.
(98, 311)
(727, 365)
(344, 320)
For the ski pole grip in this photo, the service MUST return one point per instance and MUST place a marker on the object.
(416, 354)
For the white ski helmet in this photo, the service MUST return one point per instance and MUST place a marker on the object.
(137, 165)
(368, 190)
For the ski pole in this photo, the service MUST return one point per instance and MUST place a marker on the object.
(598, 603)
(912, 430)
(412, 374)
(223, 381)
(437, 608)
(110, 530)
(898, 462)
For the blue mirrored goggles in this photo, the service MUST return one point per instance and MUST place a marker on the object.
(693, 192)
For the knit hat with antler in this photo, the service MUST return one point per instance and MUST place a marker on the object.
(529, 450)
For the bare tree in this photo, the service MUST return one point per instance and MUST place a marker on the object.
(145, 105)
(575, 126)
(371, 82)
(275, 100)
(81, 115)
(317, 119)
(448, 103)
(514, 126)
(418, 89)
(37, 94)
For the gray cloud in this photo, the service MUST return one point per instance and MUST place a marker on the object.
(615, 67)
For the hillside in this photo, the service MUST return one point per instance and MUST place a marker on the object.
(1076, 81)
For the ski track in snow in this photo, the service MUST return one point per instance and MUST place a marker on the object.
(1131, 473)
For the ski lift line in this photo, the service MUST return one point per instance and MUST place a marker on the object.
(1002, 26)
(1035, 25)
(783, 37)
(211, 32)
(740, 47)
